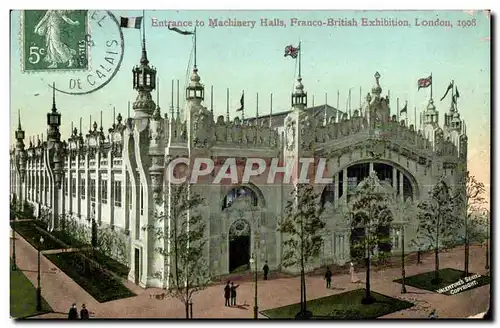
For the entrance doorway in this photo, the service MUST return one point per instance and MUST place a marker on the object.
(239, 246)
(137, 266)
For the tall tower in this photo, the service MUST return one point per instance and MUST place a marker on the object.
(144, 81)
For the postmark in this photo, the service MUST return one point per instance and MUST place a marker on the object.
(79, 50)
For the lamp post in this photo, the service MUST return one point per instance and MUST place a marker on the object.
(14, 265)
(487, 266)
(253, 261)
(403, 286)
(39, 288)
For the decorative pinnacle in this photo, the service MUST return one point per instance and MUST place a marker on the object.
(377, 76)
(19, 120)
(54, 109)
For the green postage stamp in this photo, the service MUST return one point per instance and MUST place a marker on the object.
(54, 40)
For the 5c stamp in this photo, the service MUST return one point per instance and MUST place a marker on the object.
(79, 50)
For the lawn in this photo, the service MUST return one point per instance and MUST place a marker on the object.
(101, 285)
(448, 277)
(31, 233)
(23, 296)
(342, 306)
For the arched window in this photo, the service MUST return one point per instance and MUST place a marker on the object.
(239, 192)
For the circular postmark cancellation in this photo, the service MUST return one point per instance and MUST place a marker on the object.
(79, 50)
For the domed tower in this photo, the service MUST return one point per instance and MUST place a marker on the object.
(431, 121)
(378, 108)
(144, 81)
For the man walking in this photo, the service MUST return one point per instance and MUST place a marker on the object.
(233, 294)
(227, 294)
(84, 313)
(73, 312)
(266, 270)
(328, 278)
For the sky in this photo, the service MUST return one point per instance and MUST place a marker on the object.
(251, 59)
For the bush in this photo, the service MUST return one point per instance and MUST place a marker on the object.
(98, 283)
(31, 233)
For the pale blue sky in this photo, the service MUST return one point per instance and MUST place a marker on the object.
(334, 58)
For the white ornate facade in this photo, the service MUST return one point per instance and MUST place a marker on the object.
(122, 171)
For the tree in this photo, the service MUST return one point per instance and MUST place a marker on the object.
(302, 225)
(436, 220)
(370, 211)
(188, 270)
(468, 201)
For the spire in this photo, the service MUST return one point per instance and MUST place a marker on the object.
(257, 110)
(54, 109)
(195, 48)
(377, 89)
(271, 112)
(326, 103)
(19, 120)
(144, 57)
(299, 97)
(212, 100)
(172, 101)
(178, 108)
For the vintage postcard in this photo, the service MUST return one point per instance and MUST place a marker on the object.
(250, 164)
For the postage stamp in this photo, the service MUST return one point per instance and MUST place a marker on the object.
(80, 51)
(54, 40)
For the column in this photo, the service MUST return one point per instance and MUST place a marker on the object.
(78, 182)
(126, 196)
(111, 194)
(401, 179)
(336, 191)
(68, 186)
(344, 185)
(87, 201)
(394, 178)
(98, 203)
(371, 167)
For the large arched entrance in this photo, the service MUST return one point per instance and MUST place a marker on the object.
(239, 246)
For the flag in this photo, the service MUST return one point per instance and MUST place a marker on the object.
(242, 103)
(131, 22)
(292, 51)
(456, 96)
(450, 87)
(424, 82)
(404, 110)
(175, 29)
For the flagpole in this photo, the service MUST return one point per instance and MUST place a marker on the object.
(212, 101)
(326, 103)
(452, 92)
(350, 103)
(337, 112)
(300, 59)
(195, 47)
(128, 111)
(243, 106)
(271, 112)
(431, 86)
(397, 109)
(172, 102)
(257, 110)
(227, 104)
(178, 108)
(313, 101)
(415, 116)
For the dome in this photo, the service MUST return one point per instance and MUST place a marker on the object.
(377, 89)
(456, 115)
(431, 106)
(299, 87)
(195, 78)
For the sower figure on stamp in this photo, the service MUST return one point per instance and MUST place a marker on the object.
(266, 270)
(233, 294)
(227, 294)
(328, 278)
(51, 26)
(73, 312)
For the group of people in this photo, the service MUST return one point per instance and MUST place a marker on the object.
(230, 293)
(73, 313)
(328, 276)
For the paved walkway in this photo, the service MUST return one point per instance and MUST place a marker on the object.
(60, 292)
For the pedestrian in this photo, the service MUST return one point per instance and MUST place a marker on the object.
(227, 293)
(433, 314)
(328, 278)
(73, 312)
(233, 294)
(84, 313)
(266, 270)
